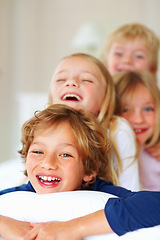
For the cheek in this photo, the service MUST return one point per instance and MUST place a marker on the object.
(152, 121)
(123, 115)
(54, 92)
(142, 66)
(30, 164)
(127, 117)
(53, 96)
(76, 168)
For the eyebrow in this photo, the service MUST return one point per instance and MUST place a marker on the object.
(151, 102)
(62, 144)
(121, 45)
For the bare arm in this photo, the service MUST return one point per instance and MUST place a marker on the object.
(76, 229)
(11, 229)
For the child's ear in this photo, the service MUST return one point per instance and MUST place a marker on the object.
(88, 178)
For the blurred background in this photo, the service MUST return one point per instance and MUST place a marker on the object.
(36, 34)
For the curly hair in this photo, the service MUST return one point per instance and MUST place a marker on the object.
(93, 143)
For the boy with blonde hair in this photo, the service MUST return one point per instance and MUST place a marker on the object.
(67, 150)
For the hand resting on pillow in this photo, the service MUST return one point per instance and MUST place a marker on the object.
(32, 207)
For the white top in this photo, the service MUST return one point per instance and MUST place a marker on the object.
(126, 144)
(149, 171)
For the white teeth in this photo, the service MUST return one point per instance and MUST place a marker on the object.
(49, 179)
(71, 96)
(45, 178)
(138, 130)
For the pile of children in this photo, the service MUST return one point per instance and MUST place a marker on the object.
(66, 148)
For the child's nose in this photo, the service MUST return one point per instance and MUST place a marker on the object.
(137, 117)
(127, 59)
(49, 163)
(72, 82)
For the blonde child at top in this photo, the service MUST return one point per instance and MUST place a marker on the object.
(132, 47)
(138, 101)
(82, 82)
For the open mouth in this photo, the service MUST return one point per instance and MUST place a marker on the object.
(71, 97)
(139, 130)
(48, 180)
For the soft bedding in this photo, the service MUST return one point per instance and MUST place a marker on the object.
(29, 206)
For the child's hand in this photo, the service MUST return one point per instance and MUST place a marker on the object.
(53, 231)
(154, 151)
(11, 229)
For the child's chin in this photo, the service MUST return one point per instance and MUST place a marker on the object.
(141, 141)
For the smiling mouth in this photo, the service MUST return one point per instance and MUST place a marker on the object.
(71, 97)
(139, 130)
(48, 180)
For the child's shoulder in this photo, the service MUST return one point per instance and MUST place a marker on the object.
(121, 124)
(123, 131)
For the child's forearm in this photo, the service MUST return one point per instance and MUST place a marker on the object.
(92, 224)
(76, 229)
(12, 229)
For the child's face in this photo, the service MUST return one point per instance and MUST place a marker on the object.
(139, 110)
(53, 162)
(128, 56)
(78, 83)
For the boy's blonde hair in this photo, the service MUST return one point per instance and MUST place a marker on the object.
(126, 83)
(108, 107)
(130, 32)
(93, 144)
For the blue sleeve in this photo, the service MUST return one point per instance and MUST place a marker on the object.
(24, 187)
(141, 209)
(108, 187)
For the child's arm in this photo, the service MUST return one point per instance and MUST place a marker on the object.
(138, 210)
(92, 224)
(154, 151)
(12, 229)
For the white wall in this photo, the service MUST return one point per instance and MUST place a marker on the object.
(36, 34)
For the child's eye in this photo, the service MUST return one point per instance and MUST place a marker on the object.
(65, 155)
(125, 110)
(119, 54)
(139, 56)
(149, 109)
(60, 80)
(37, 152)
(87, 80)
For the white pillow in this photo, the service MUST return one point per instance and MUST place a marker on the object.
(32, 207)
